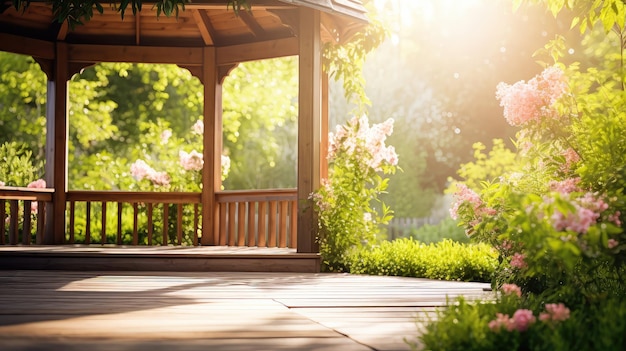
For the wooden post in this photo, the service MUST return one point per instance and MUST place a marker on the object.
(212, 148)
(56, 146)
(324, 132)
(309, 126)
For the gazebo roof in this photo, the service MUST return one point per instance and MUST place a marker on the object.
(203, 23)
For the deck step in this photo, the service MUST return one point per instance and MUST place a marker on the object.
(158, 258)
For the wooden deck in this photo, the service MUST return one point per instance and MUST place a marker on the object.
(161, 311)
(158, 258)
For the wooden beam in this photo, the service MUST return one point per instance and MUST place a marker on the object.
(309, 126)
(27, 46)
(204, 26)
(252, 24)
(137, 28)
(212, 140)
(142, 54)
(62, 33)
(56, 146)
(257, 51)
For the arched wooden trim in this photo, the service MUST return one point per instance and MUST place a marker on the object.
(222, 71)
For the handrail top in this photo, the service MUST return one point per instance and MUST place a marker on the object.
(25, 189)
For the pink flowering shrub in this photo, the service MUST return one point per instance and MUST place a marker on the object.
(348, 203)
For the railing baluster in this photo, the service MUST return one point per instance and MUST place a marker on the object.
(179, 223)
(241, 224)
(150, 224)
(72, 213)
(103, 238)
(166, 213)
(282, 228)
(14, 210)
(41, 220)
(3, 215)
(88, 224)
(119, 223)
(26, 228)
(232, 229)
(293, 227)
(223, 224)
(272, 224)
(135, 223)
(262, 230)
(251, 223)
(195, 225)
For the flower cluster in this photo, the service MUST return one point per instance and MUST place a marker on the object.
(192, 161)
(1, 183)
(140, 170)
(522, 319)
(587, 210)
(511, 289)
(554, 312)
(466, 197)
(518, 260)
(526, 102)
(198, 127)
(369, 141)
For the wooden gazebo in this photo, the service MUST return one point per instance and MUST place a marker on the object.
(209, 40)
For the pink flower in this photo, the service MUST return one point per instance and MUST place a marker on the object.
(511, 289)
(464, 194)
(615, 218)
(198, 127)
(159, 178)
(1, 183)
(191, 161)
(502, 321)
(523, 319)
(517, 261)
(571, 157)
(612, 243)
(526, 102)
(140, 170)
(555, 312)
(566, 186)
(37, 184)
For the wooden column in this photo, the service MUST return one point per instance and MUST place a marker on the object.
(212, 150)
(56, 146)
(309, 126)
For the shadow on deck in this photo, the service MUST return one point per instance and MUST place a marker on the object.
(158, 258)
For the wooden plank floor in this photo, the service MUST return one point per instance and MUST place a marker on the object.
(159, 311)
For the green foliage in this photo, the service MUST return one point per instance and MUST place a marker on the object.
(344, 61)
(17, 166)
(446, 260)
(464, 325)
(446, 229)
(486, 166)
(558, 220)
(348, 204)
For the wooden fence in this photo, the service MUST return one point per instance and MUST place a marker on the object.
(402, 227)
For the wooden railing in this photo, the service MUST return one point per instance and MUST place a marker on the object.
(265, 218)
(23, 205)
(148, 211)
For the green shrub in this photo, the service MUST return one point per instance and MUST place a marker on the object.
(446, 260)
(465, 326)
(446, 229)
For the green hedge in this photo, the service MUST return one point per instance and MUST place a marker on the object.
(446, 260)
